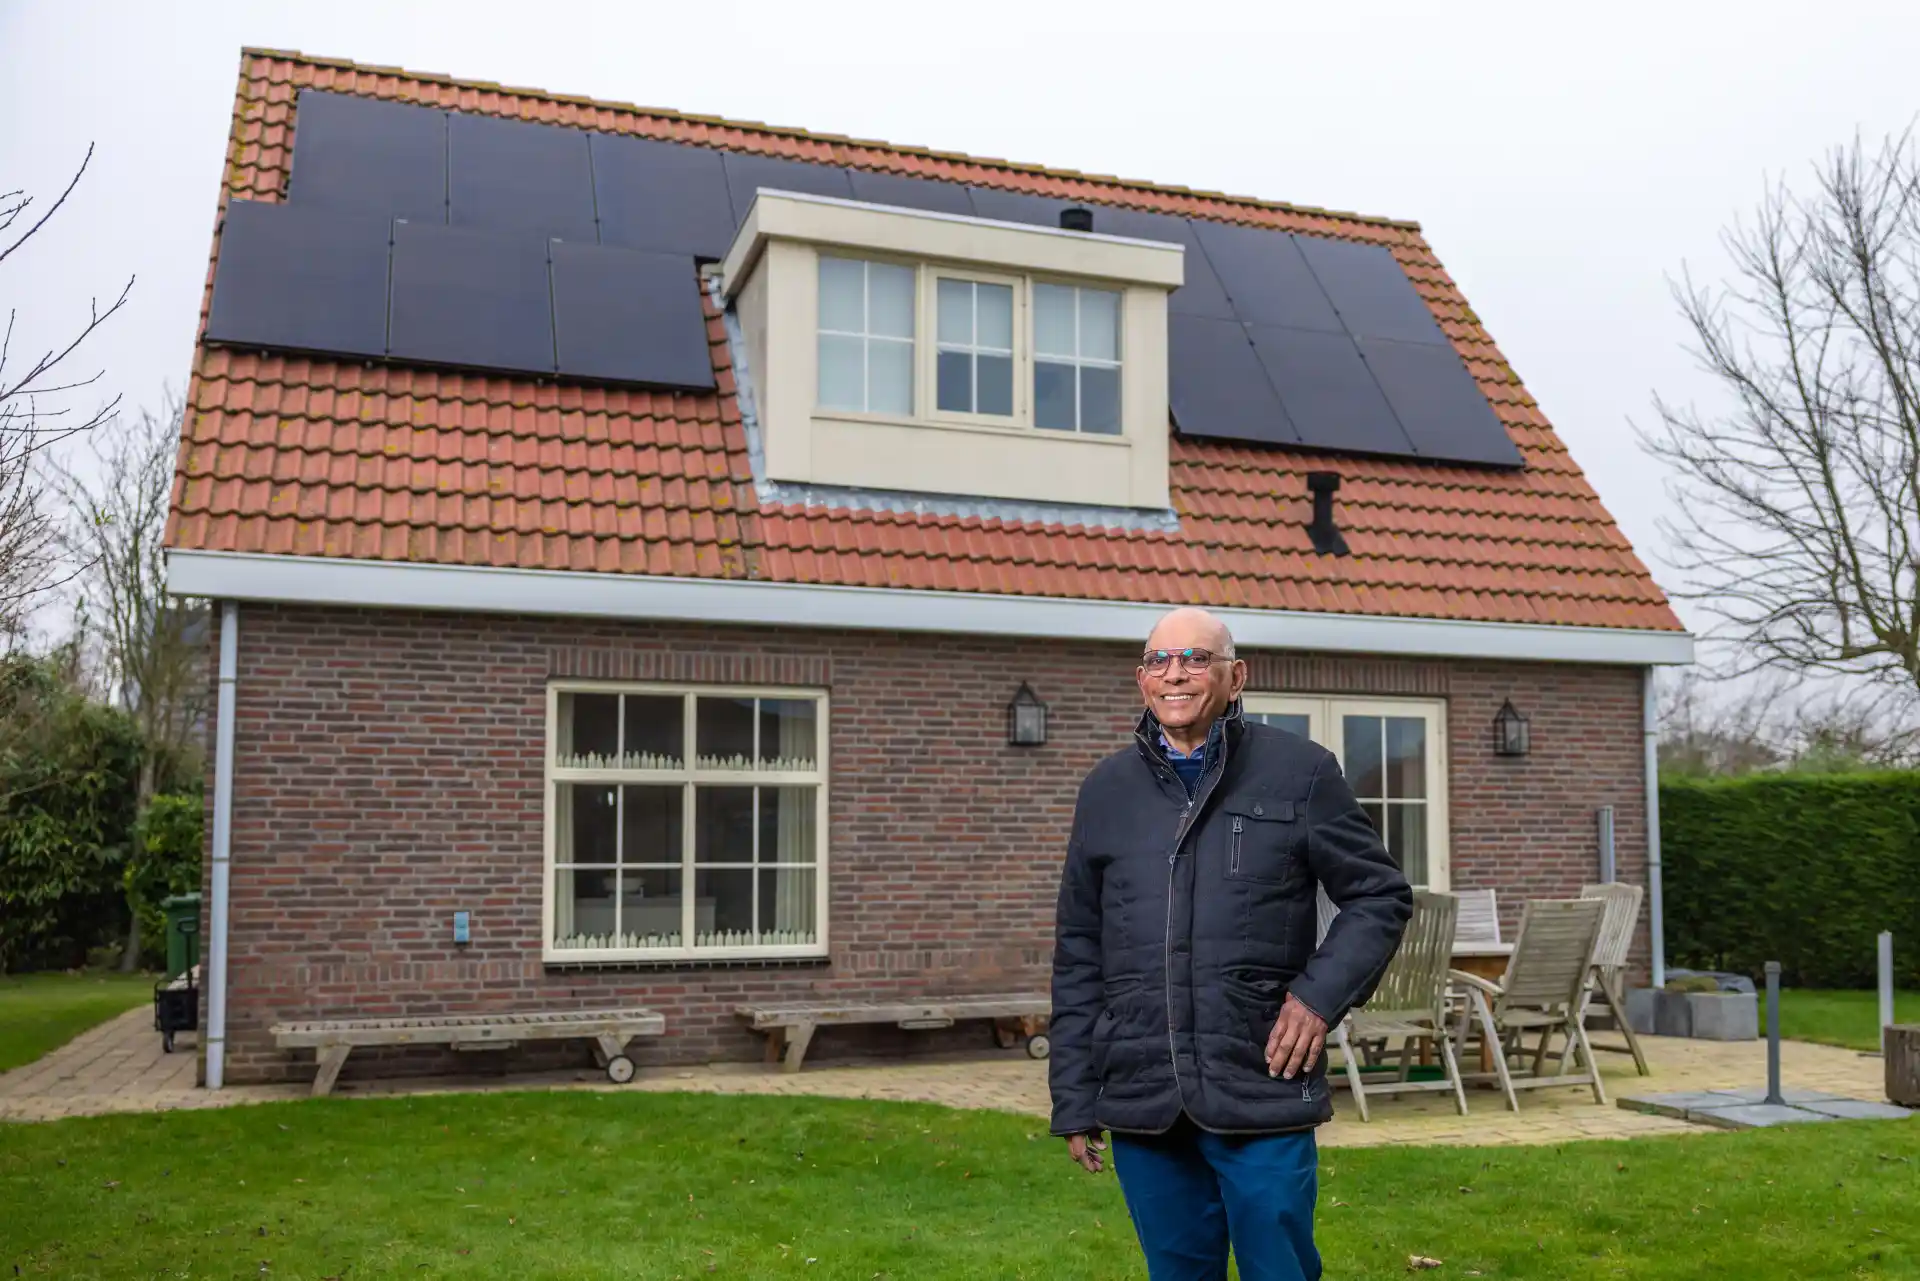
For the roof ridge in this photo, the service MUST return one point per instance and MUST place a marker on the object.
(905, 149)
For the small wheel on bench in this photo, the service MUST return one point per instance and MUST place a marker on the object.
(1039, 1046)
(620, 1069)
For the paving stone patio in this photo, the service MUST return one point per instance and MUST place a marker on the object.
(119, 1067)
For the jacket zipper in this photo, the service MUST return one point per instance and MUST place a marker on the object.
(1194, 804)
(1233, 863)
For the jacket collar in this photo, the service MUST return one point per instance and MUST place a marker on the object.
(1224, 735)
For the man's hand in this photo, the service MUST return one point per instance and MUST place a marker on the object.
(1298, 1037)
(1085, 1149)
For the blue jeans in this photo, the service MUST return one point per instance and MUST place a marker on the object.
(1191, 1192)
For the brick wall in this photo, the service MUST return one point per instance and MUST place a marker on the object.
(388, 774)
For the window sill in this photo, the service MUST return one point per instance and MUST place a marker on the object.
(972, 427)
(713, 958)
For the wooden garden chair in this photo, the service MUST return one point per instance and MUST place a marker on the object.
(1479, 916)
(1409, 1004)
(1542, 992)
(1605, 982)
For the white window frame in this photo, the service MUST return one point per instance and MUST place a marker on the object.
(691, 776)
(1077, 362)
(929, 364)
(867, 338)
(927, 345)
(1324, 713)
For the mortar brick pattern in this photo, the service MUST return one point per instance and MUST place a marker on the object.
(388, 773)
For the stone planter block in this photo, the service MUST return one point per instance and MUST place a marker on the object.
(1723, 1016)
(1640, 1003)
(1672, 1016)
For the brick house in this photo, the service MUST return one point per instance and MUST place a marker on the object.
(684, 666)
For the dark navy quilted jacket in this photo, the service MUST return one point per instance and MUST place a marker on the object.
(1184, 923)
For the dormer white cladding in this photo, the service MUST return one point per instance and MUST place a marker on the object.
(771, 278)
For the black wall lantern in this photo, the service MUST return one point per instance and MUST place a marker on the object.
(1026, 719)
(1511, 734)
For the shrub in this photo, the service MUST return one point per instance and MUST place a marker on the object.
(1801, 869)
(68, 777)
(165, 862)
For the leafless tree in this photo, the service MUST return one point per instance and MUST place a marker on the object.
(1799, 500)
(151, 642)
(1715, 729)
(37, 410)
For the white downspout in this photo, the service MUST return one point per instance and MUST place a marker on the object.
(1650, 731)
(222, 846)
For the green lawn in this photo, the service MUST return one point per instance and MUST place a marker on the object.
(1849, 1019)
(41, 1012)
(584, 1185)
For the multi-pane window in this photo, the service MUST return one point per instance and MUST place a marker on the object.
(1076, 359)
(685, 822)
(1393, 756)
(974, 361)
(866, 336)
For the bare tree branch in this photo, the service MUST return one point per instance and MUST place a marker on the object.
(32, 420)
(1798, 500)
(117, 517)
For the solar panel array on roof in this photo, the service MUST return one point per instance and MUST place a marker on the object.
(1274, 338)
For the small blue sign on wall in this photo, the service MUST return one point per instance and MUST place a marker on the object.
(460, 927)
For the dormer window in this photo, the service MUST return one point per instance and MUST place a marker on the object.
(866, 336)
(1076, 359)
(918, 352)
(974, 367)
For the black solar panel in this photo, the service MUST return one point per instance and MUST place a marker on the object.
(472, 298)
(909, 193)
(1370, 291)
(629, 316)
(1442, 408)
(1017, 206)
(1266, 277)
(362, 154)
(1203, 294)
(509, 175)
(1328, 392)
(1217, 386)
(661, 196)
(305, 279)
(747, 174)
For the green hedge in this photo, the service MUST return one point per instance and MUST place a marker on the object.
(1804, 870)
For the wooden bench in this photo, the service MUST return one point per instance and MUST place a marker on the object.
(790, 1028)
(334, 1039)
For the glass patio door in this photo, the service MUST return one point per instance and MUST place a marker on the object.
(1393, 753)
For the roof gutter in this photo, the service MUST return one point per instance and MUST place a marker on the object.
(314, 580)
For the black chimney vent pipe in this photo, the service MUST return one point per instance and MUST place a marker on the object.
(1076, 219)
(1325, 534)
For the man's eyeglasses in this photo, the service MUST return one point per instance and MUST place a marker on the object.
(1194, 661)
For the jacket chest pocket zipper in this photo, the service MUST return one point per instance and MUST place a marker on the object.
(1233, 859)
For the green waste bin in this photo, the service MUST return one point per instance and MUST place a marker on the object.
(182, 913)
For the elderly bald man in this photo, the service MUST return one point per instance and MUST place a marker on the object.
(1190, 1004)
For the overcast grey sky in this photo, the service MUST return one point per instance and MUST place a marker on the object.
(1563, 160)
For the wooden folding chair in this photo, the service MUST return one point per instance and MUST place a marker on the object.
(1604, 982)
(1542, 992)
(1409, 1004)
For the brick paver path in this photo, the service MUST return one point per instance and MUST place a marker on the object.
(119, 1067)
